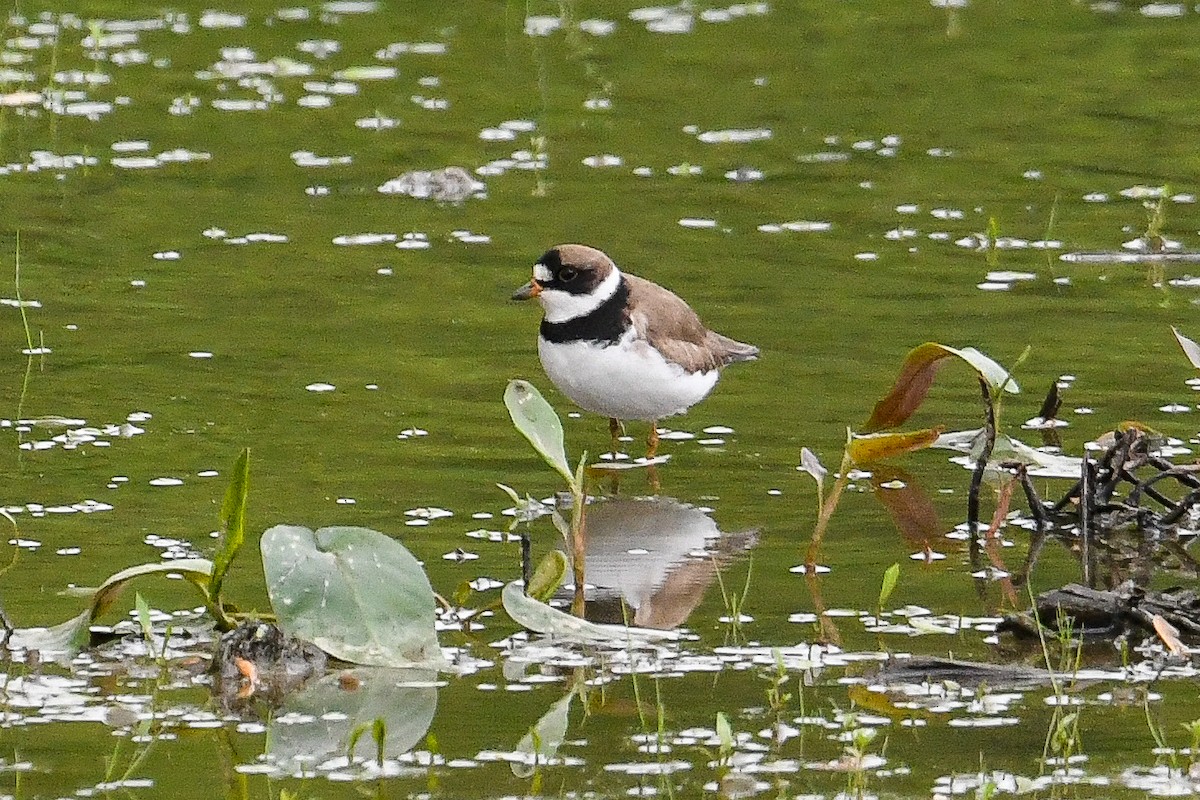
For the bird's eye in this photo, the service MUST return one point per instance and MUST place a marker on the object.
(567, 274)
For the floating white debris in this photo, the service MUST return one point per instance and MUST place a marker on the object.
(135, 162)
(376, 123)
(744, 175)
(231, 104)
(866, 256)
(306, 158)
(315, 101)
(1009, 276)
(366, 73)
(597, 27)
(467, 237)
(827, 157)
(946, 213)
(1163, 10)
(410, 433)
(497, 135)
(541, 25)
(132, 146)
(200, 354)
(222, 19)
(320, 387)
(167, 255)
(1140, 192)
(353, 239)
(166, 482)
(449, 184)
(697, 222)
(603, 160)
(735, 135)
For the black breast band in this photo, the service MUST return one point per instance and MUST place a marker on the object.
(604, 324)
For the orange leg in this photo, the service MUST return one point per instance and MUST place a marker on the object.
(652, 440)
(615, 430)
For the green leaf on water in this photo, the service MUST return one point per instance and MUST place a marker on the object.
(890, 576)
(233, 521)
(357, 594)
(548, 575)
(724, 734)
(197, 571)
(538, 423)
(63, 641)
(142, 609)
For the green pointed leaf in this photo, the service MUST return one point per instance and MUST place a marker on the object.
(542, 741)
(357, 594)
(890, 576)
(538, 423)
(233, 520)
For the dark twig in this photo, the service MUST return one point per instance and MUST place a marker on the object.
(1085, 518)
(1036, 507)
(985, 454)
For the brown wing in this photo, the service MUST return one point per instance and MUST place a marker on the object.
(669, 324)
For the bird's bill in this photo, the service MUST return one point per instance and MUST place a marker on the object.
(531, 289)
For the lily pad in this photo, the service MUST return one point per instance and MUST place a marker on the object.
(357, 594)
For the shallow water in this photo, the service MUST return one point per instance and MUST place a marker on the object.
(215, 253)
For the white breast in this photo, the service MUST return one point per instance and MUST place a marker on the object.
(628, 380)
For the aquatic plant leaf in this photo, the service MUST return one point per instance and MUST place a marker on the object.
(890, 576)
(548, 575)
(196, 571)
(1190, 348)
(323, 717)
(233, 520)
(1040, 464)
(59, 644)
(541, 618)
(542, 741)
(538, 423)
(62, 642)
(872, 447)
(353, 592)
(812, 465)
(920, 367)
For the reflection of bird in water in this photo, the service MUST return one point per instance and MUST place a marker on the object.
(656, 556)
